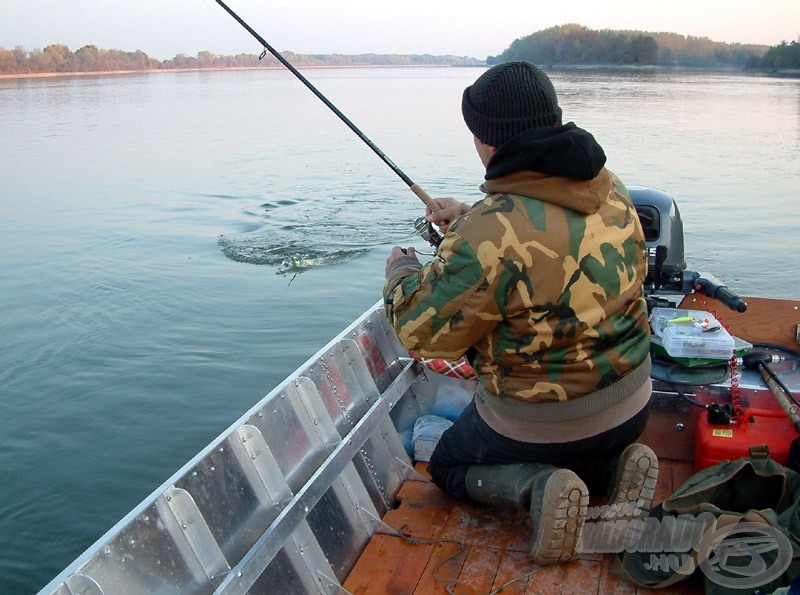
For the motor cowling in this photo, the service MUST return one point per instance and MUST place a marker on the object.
(663, 232)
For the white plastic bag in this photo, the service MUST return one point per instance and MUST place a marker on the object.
(427, 431)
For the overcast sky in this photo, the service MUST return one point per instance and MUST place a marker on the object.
(476, 28)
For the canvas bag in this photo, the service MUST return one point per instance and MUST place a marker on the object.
(749, 504)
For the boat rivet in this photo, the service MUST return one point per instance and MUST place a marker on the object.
(679, 426)
(108, 552)
(212, 468)
(169, 498)
(244, 438)
(239, 574)
(183, 525)
(260, 414)
(253, 457)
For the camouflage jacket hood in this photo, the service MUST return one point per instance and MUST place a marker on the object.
(539, 283)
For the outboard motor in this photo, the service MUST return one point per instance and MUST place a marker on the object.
(666, 267)
(663, 232)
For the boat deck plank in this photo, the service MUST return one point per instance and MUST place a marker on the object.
(446, 544)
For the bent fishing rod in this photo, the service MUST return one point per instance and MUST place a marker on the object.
(421, 194)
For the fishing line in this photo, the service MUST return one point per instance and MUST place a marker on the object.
(421, 194)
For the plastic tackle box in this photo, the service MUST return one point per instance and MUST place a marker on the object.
(691, 334)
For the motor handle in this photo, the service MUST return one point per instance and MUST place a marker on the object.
(717, 291)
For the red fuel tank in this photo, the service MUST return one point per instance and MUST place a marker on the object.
(715, 442)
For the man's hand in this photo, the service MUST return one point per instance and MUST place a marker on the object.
(398, 252)
(450, 209)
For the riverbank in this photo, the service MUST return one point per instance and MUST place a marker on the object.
(43, 75)
(232, 68)
(771, 72)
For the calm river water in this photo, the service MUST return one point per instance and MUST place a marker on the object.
(174, 244)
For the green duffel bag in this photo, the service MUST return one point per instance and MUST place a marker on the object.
(738, 522)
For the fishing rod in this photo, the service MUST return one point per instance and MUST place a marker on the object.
(788, 402)
(421, 194)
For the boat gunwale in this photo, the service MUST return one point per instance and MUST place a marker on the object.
(148, 501)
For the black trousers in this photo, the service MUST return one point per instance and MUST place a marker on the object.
(470, 441)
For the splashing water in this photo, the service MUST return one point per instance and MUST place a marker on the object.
(296, 236)
(287, 256)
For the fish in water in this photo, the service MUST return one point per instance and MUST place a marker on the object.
(298, 264)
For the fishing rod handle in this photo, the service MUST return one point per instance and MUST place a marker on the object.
(425, 197)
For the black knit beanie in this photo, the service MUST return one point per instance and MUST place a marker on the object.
(509, 99)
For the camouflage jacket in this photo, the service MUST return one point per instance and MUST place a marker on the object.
(543, 294)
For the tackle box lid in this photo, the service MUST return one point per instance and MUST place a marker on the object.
(691, 334)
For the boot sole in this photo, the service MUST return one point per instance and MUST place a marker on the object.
(637, 475)
(564, 508)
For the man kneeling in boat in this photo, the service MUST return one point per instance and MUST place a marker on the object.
(539, 284)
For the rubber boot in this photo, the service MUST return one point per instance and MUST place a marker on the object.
(556, 498)
(634, 483)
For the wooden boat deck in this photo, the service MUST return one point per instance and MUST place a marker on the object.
(450, 546)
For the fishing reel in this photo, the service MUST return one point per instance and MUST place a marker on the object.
(428, 232)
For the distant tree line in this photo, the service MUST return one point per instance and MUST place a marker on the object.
(58, 58)
(576, 44)
(783, 55)
(562, 45)
(701, 52)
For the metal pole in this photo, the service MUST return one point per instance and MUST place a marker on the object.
(778, 391)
